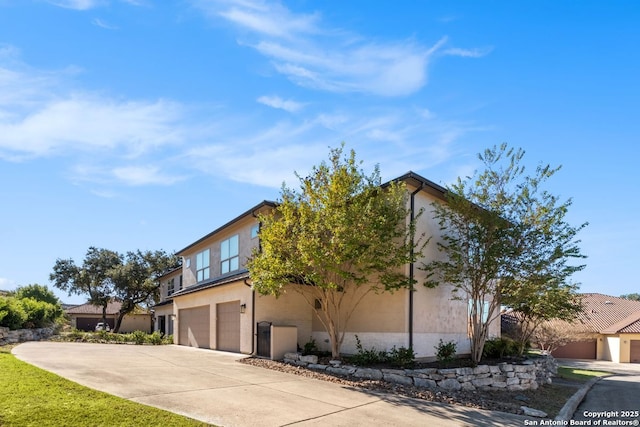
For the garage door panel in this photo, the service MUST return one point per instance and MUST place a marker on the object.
(194, 326)
(228, 326)
(577, 350)
(634, 356)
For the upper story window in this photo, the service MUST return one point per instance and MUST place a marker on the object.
(229, 258)
(187, 262)
(171, 286)
(202, 265)
(180, 285)
(254, 231)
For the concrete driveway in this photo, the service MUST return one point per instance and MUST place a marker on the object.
(213, 387)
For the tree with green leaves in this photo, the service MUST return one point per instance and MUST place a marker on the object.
(136, 281)
(632, 297)
(92, 278)
(337, 240)
(505, 241)
(538, 305)
(37, 292)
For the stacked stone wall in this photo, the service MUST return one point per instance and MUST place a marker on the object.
(8, 336)
(527, 375)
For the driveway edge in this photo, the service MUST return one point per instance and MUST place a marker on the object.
(570, 407)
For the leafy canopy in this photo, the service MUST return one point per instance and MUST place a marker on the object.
(339, 238)
(506, 241)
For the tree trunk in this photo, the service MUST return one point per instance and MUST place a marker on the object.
(121, 315)
(104, 317)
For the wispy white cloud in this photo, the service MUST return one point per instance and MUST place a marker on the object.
(7, 284)
(314, 55)
(102, 24)
(78, 4)
(43, 115)
(283, 104)
(145, 175)
(468, 53)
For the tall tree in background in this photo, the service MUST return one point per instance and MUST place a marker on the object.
(632, 297)
(339, 239)
(505, 240)
(136, 279)
(93, 278)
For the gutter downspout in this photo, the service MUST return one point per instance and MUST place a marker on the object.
(253, 300)
(411, 265)
(253, 317)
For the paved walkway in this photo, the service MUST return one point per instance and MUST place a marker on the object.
(212, 387)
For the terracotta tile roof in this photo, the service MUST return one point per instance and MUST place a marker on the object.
(112, 308)
(611, 314)
(633, 328)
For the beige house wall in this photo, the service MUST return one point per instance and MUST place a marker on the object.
(136, 322)
(217, 295)
(609, 348)
(290, 309)
(615, 348)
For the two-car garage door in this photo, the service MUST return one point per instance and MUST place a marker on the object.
(195, 324)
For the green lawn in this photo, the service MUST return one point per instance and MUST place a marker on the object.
(579, 374)
(30, 396)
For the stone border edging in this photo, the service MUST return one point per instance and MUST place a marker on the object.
(574, 401)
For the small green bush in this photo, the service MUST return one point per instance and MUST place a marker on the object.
(446, 351)
(367, 357)
(310, 347)
(75, 335)
(138, 337)
(497, 348)
(402, 357)
(154, 338)
(167, 339)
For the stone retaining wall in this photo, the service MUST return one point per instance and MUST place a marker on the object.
(21, 335)
(527, 375)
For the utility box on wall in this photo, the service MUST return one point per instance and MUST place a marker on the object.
(284, 339)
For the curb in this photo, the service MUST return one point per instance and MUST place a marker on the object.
(570, 407)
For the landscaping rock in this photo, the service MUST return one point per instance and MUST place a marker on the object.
(369, 374)
(309, 359)
(530, 412)
(398, 379)
(450, 384)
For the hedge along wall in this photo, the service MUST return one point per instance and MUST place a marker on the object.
(528, 375)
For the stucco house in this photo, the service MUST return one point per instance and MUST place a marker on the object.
(209, 302)
(85, 317)
(615, 324)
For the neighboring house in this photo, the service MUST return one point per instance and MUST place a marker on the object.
(216, 308)
(616, 324)
(86, 316)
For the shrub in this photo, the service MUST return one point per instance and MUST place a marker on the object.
(367, 357)
(39, 313)
(402, 357)
(497, 348)
(12, 314)
(154, 338)
(310, 347)
(75, 334)
(167, 339)
(446, 351)
(138, 337)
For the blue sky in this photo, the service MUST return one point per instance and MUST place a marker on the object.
(139, 124)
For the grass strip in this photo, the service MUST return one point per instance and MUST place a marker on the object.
(30, 396)
(579, 374)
